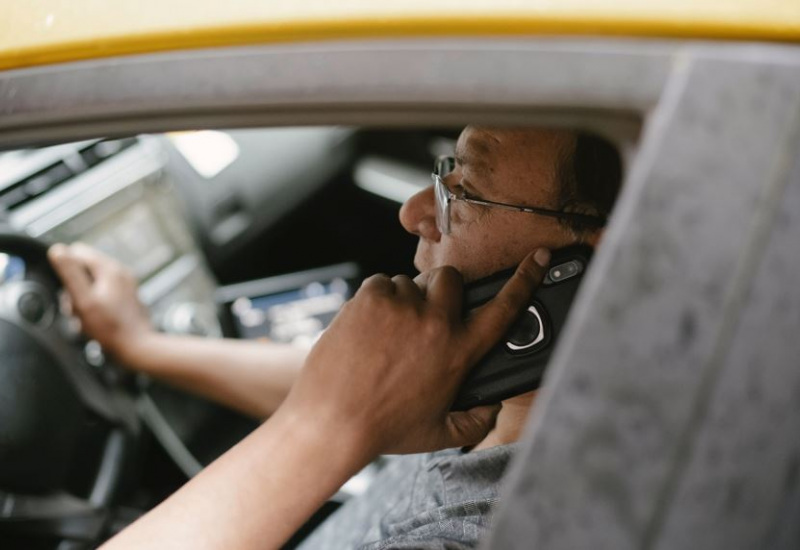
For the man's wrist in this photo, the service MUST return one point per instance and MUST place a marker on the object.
(135, 349)
(344, 448)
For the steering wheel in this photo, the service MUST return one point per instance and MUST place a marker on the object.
(48, 394)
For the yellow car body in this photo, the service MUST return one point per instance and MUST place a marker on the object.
(54, 31)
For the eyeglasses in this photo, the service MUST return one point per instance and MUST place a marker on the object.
(445, 165)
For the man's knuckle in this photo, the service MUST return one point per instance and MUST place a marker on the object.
(376, 278)
(346, 307)
(371, 283)
(530, 271)
(371, 299)
(375, 295)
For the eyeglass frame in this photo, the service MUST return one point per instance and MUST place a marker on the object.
(443, 197)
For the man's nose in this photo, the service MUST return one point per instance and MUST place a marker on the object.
(418, 215)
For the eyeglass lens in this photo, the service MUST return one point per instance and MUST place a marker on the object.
(442, 168)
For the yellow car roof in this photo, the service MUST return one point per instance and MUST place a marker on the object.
(34, 32)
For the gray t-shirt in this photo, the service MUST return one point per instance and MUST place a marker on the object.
(441, 500)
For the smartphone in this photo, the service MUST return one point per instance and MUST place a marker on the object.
(517, 363)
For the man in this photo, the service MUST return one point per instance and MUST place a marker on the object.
(510, 191)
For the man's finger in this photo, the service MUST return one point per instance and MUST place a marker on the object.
(406, 287)
(72, 272)
(97, 262)
(379, 283)
(445, 288)
(421, 281)
(489, 322)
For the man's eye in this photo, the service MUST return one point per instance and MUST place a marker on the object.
(467, 195)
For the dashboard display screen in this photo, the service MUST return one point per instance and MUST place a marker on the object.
(292, 308)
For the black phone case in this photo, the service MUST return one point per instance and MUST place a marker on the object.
(517, 363)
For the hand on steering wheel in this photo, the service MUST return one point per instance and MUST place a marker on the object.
(103, 295)
(48, 392)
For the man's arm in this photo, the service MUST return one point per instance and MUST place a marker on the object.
(380, 380)
(252, 377)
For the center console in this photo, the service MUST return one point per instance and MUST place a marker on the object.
(119, 197)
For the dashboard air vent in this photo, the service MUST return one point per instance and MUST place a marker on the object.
(55, 173)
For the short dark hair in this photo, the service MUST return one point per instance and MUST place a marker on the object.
(590, 177)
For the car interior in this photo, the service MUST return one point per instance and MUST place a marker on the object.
(247, 233)
(247, 164)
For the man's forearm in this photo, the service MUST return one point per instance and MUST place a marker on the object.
(257, 495)
(245, 375)
(380, 380)
(251, 377)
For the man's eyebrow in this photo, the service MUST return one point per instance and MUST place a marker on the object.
(470, 159)
(477, 165)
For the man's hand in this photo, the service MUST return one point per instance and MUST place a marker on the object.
(387, 370)
(380, 380)
(103, 296)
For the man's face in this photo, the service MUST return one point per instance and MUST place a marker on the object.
(516, 166)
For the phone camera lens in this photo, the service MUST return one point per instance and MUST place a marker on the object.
(564, 271)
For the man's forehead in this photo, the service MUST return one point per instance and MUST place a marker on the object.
(485, 144)
(528, 152)
(490, 139)
(477, 149)
(477, 144)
